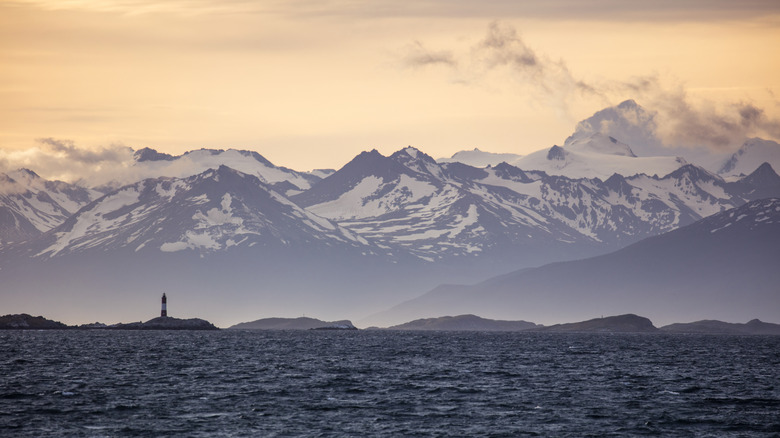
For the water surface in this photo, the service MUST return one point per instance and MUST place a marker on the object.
(383, 383)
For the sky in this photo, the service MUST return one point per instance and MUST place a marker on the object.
(310, 84)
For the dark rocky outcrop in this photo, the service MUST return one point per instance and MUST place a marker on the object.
(754, 327)
(167, 323)
(629, 323)
(24, 321)
(302, 323)
(464, 323)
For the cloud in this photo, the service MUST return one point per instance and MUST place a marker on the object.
(68, 150)
(720, 127)
(679, 120)
(503, 46)
(62, 159)
(502, 49)
(418, 55)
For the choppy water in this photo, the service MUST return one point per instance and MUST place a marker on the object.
(368, 383)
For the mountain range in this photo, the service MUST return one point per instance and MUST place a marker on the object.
(721, 267)
(234, 233)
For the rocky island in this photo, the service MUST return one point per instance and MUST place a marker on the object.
(24, 321)
(629, 323)
(302, 323)
(754, 327)
(166, 323)
(465, 323)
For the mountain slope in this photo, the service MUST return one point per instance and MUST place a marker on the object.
(410, 204)
(30, 205)
(221, 242)
(594, 163)
(478, 158)
(503, 216)
(152, 164)
(750, 156)
(724, 266)
(214, 211)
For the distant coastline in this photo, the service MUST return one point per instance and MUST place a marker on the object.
(25, 321)
(628, 323)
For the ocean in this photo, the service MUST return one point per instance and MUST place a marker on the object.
(386, 383)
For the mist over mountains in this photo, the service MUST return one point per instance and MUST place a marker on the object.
(229, 233)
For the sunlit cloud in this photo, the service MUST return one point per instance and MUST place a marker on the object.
(680, 121)
(67, 149)
(417, 55)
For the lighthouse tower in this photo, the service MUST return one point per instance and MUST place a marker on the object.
(164, 311)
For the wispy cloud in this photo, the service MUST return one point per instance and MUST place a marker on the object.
(67, 149)
(62, 159)
(680, 120)
(417, 55)
(719, 126)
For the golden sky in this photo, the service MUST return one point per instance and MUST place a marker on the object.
(310, 84)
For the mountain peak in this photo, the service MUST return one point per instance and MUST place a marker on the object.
(599, 143)
(29, 173)
(257, 157)
(417, 161)
(764, 172)
(479, 158)
(149, 154)
(694, 172)
(412, 153)
(752, 153)
(628, 104)
(556, 153)
(628, 122)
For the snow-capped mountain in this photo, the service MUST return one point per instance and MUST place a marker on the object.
(406, 204)
(377, 231)
(30, 205)
(218, 240)
(152, 164)
(640, 127)
(723, 267)
(752, 154)
(213, 211)
(409, 203)
(596, 156)
(628, 122)
(599, 143)
(478, 158)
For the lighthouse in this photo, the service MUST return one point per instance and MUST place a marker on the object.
(164, 311)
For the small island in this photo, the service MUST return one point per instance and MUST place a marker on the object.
(24, 321)
(166, 323)
(302, 323)
(628, 323)
(753, 327)
(465, 323)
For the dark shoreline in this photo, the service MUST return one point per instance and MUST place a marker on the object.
(629, 323)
